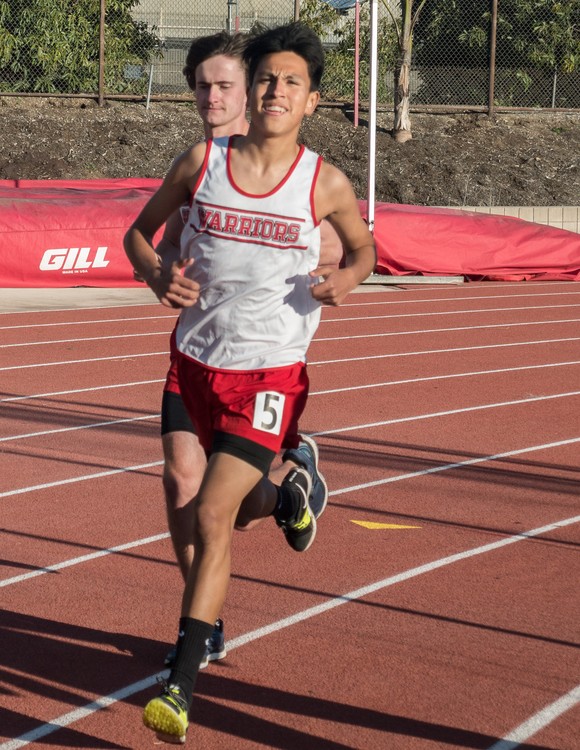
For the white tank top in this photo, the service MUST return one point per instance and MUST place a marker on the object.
(252, 255)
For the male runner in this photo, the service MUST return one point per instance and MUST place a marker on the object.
(250, 306)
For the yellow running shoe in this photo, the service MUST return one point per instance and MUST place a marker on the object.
(166, 715)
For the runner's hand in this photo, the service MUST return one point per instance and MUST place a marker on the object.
(171, 287)
(336, 284)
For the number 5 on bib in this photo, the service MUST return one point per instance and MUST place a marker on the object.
(268, 411)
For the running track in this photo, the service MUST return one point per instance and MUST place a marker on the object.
(450, 413)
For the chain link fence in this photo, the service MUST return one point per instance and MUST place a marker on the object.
(509, 53)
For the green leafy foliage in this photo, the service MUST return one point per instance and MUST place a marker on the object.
(52, 46)
(339, 70)
(536, 40)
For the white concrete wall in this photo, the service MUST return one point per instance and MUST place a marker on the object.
(562, 217)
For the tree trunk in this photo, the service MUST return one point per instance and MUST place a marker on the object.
(402, 128)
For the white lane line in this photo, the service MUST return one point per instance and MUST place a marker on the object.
(90, 426)
(83, 478)
(456, 299)
(313, 393)
(538, 721)
(85, 322)
(446, 330)
(392, 355)
(122, 306)
(324, 320)
(320, 362)
(86, 338)
(351, 428)
(72, 717)
(447, 413)
(456, 465)
(374, 303)
(431, 313)
(444, 377)
(82, 390)
(82, 559)
(344, 490)
(84, 361)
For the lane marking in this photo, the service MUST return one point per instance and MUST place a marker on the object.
(456, 465)
(121, 306)
(325, 320)
(459, 299)
(84, 361)
(332, 493)
(446, 330)
(310, 363)
(447, 413)
(66, 719)
(82, 559)
(84, 478)
(82, 390)
(367, 425)
(437, 288)
(313, 393)
(449, 312)
(79, 427)
(538, 721)
(87, 322)
(357, 305)
(87, 338)
(393, 355)
(444, 377)
(374, 526)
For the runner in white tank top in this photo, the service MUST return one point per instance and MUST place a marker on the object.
(285, 68)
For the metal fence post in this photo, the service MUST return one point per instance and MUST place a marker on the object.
(102, 53)
(492, 45)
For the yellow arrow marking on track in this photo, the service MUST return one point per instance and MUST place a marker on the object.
(373, 525)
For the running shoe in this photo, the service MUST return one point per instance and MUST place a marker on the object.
(300, 526)
(306, 455)
(166, 715)
(216, 648)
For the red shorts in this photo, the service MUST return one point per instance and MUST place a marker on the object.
(172, 381)
(263, 406)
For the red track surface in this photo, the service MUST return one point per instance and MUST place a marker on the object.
(451, 410)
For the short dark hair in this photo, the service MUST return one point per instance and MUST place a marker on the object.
(293, 37)
(204, 47)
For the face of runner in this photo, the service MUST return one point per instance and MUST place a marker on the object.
(280, 94)
(220, 93)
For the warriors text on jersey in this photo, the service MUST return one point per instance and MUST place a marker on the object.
(252, 255)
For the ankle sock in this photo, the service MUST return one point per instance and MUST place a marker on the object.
(287, 504)
(191, 644)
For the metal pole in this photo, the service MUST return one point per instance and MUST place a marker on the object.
(372, 114)
(230, 22)
(149, 86)
(492, 45)
(356, 62)
(296, 10)
(102, 53)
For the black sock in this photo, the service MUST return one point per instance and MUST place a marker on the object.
(191, 645)
(286, 505)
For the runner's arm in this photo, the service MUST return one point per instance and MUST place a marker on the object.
(335, 201)
(171, 287)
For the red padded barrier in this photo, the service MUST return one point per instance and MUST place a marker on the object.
(64, 233)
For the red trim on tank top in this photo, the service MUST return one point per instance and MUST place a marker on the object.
(260, 195)
(314, 179)
(202, 172)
